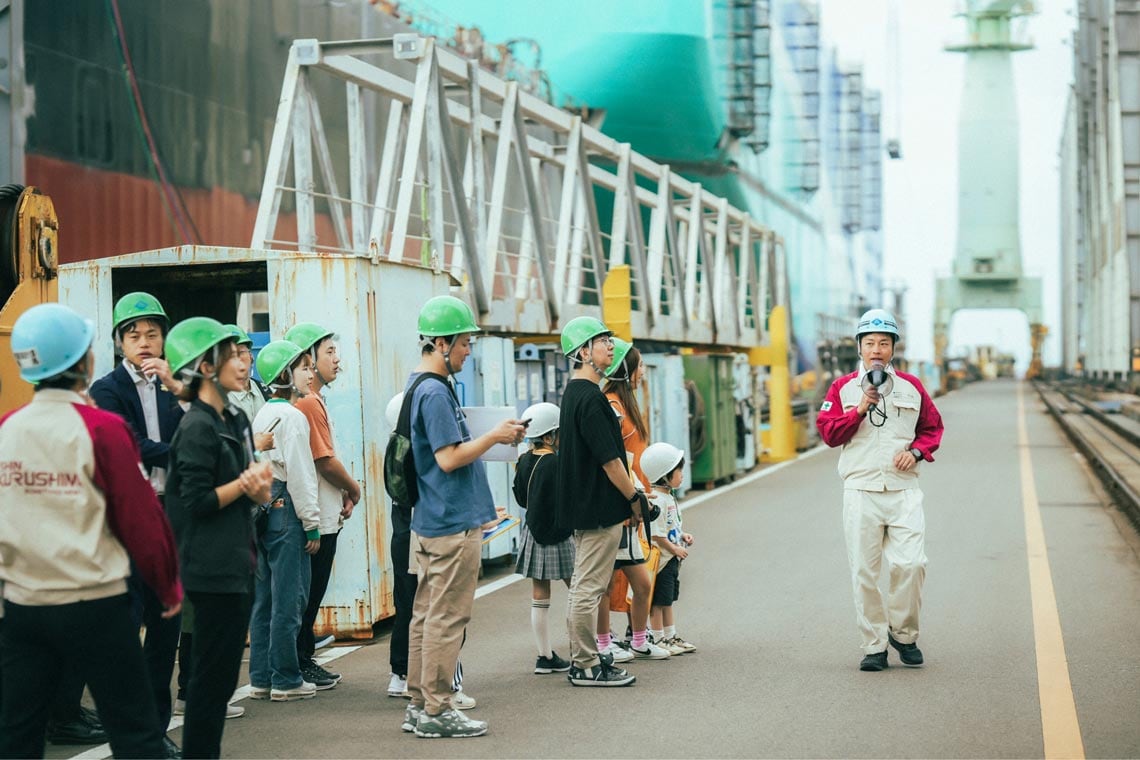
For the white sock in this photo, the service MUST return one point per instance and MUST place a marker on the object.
(539, 619)
(656, 635)
(670, 631)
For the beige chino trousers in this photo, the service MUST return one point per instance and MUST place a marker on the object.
(594, 555)
(448, 571)
(886, 525)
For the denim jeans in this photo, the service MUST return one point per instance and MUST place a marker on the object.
(280, 593)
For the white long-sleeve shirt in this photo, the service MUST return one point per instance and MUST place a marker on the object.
(291, 458)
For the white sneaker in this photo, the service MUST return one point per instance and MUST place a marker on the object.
(461, 701)
(650, 652)
(322, 643)
(234, 711)
(618, 653)
(305, 691)
(398, 687)
(674, 649)
(677, 641)
(259, 692)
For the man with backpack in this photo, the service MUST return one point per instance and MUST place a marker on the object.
(452, 500)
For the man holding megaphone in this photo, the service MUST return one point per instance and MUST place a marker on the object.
(886, 424)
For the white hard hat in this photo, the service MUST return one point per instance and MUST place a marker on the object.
(876, 321)
(659, 459)
(392, 411)
(543, 418)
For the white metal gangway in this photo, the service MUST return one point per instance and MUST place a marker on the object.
(525, 204)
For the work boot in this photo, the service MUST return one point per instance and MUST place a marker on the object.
(910, 654)
(78, 731)
(171, 749)
(90, 717)
(874, 662)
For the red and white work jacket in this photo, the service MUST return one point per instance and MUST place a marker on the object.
(867, 460)
(75, 507)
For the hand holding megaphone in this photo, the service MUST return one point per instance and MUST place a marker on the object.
(876, 383)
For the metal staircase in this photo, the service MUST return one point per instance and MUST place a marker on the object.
(527, 207)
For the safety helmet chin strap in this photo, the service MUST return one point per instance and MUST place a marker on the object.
(187, 375)
(316, 367)
(429, 340)
(75, 374)
(622, 374)
(279, 386)
(589, 346)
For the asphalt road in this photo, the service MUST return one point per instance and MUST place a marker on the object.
(766, 597)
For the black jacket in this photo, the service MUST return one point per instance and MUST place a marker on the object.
(215, 546)
(116, 393)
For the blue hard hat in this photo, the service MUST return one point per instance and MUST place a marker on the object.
(876, 321)
(49, 339)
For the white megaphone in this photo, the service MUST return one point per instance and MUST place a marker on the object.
(878, 378)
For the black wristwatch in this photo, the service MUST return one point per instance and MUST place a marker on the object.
(916, 454)
(635, 496)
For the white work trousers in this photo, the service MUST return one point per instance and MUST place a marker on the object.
(878, 525)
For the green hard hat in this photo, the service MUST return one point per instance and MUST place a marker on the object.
(621, 348)
(307, 335)
(446, 315)
(240, 335)
(275, 358)
(135, 306)
(579, 330)
(191, 338)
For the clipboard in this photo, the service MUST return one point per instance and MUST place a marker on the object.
(480, 419)
(506, 525)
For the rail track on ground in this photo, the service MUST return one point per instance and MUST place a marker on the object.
(1110, 442)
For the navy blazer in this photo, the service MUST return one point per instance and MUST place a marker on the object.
(116, 393)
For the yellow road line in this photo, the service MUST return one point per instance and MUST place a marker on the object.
(1059, 726)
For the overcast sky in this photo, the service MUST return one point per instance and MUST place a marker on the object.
(920, 204)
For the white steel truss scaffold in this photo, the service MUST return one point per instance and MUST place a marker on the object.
(526, 205)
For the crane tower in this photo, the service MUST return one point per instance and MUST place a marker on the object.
(987, 270)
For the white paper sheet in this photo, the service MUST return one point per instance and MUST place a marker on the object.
(480, 419)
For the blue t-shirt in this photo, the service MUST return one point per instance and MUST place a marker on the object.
(450, 502)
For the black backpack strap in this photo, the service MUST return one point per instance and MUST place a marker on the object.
(404, 423)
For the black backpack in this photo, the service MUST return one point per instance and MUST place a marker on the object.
(399, 464)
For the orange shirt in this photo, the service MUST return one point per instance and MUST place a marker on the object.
(329, 497)
(634, 443)
(320, 434)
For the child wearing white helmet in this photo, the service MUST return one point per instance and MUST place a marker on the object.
(663, 465)
(545, 552)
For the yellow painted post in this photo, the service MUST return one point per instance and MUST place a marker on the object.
(617, 302)
(775, 357)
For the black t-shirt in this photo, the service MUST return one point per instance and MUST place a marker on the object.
(536, 490)
(589, 435)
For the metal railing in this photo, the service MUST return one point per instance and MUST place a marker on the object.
(524, 204)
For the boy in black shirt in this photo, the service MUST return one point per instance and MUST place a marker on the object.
(595, 495)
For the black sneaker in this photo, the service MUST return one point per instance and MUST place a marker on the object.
(324, 672)
(874, 662)
(910, 654)
(551, 664)
(600, 675)
(318, 676)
